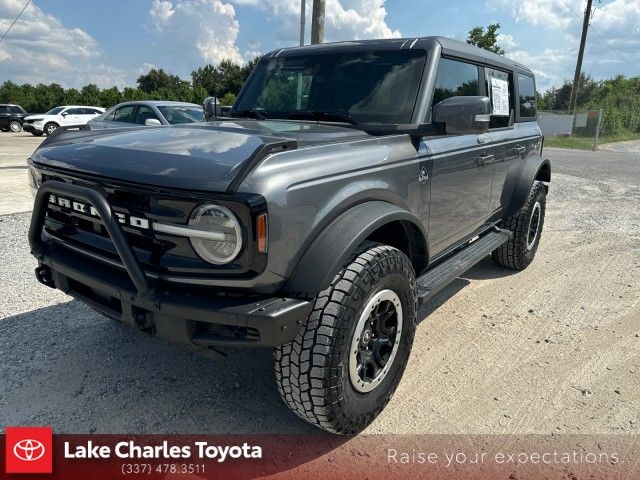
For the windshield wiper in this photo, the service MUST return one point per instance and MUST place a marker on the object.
(253, 113)
(326, 116)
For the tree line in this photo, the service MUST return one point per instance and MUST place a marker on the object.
(618, 97)
(223, 81)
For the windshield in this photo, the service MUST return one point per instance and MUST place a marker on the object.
(55, 111)
(355, 87)
(176, 114)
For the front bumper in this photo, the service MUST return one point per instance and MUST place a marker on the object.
(182, 315)
(30, 127)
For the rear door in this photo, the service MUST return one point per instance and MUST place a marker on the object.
(460, 166)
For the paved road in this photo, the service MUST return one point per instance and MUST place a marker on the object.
(555, 348)
(14, 190)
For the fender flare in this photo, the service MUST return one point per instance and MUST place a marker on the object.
(334, 245)
(535, 167)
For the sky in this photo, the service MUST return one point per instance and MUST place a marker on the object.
(112, 42)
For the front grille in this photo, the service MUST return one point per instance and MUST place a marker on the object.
(158, 253)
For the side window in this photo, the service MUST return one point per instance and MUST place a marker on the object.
(144, 113)
(499, 87)
(16, 110)
(124, 114)
(73, 111)
(4, 109)
(527, 94)
(455, 78)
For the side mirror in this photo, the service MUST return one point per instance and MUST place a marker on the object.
(211, 107)
(64, 114)
(152, 122)
(463, 115)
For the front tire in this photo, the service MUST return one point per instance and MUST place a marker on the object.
(526, 225)
(348, 357)
(50, 127)
(15, 126)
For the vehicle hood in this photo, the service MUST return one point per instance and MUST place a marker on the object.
(35, 115)
(207, 156)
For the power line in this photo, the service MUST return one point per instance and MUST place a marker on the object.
(14, 22)
(595, 30)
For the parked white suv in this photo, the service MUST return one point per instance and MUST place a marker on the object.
(65, 116)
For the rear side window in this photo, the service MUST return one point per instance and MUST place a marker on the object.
(454, 79)
(499, 85)
(527, 94)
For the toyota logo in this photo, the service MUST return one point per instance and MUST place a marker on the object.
(28, 450)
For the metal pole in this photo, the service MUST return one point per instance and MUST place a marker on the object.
(598, 125)
(317, 22)
(583, 41)
(302, 21)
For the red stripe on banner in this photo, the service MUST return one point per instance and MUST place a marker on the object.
(331, 457)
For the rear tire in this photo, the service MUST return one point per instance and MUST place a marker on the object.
(526, 225)
(348, 357)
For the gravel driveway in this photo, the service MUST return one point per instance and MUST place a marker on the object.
(553, 349)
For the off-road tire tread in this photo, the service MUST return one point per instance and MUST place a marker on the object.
(308, 370)
(513, 253)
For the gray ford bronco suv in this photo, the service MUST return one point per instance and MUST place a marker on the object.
(349, 183)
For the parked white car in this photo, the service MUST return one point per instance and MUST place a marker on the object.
(65, 116)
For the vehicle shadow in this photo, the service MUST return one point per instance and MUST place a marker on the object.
(486, 269)
(74, 368)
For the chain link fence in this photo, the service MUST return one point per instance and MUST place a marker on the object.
(581, 128)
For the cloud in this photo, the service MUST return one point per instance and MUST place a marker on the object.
(613, 37)
(344, 19)
(40, 49)
(196, 31)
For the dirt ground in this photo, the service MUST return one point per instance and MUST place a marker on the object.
(553, 349)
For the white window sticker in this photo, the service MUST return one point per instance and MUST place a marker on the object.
(500, 96)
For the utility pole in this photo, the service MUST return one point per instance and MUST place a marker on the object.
(302, 20)
(583, 40)
(317, 21)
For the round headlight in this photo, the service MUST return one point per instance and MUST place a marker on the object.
(225, 241)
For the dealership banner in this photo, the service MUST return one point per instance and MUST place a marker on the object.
(37, 452)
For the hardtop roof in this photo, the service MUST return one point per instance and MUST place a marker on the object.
(449, 46)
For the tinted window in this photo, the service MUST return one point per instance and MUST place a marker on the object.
(16, 109)
(369, 86)
(144, 113)
(55, 111)
(124, 114)
(455, 79)
(527, 93)
(499, 86)
(181, 114)
(4, 109)
(73, 111)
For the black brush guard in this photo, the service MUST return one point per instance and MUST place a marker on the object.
(198, 317)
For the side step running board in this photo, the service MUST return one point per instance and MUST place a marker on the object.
(439, 277)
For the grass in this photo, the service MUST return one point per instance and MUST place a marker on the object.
(586, 143)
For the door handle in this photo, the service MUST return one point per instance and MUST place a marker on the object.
(483, 160)
(519, 150)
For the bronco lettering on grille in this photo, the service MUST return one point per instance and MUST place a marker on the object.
(87, 209)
